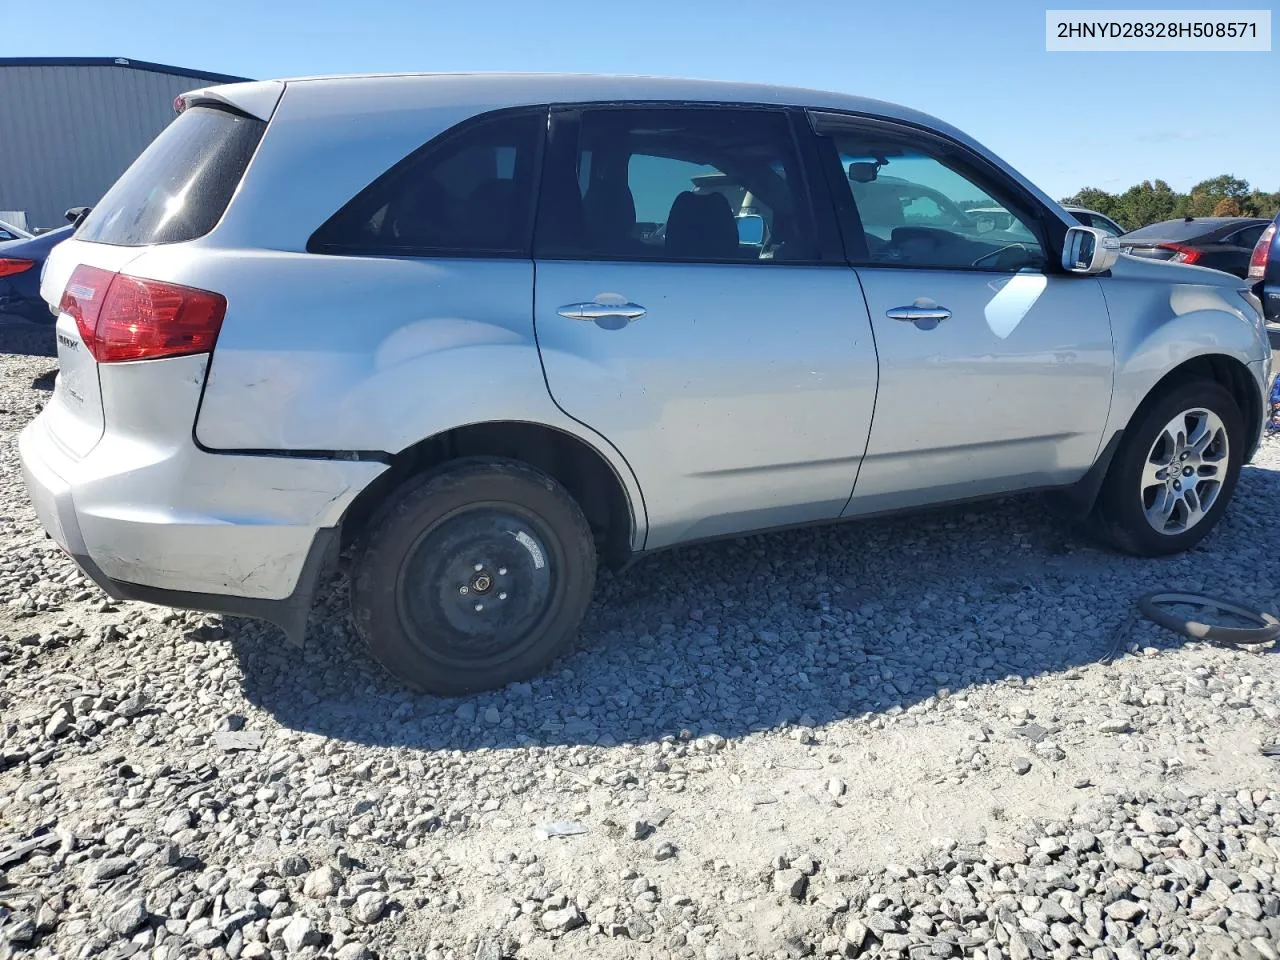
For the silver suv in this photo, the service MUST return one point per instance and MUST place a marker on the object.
(475, 332)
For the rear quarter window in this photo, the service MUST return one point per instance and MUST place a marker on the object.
(180, 186)
(468, 192)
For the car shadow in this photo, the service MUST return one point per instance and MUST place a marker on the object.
(804, 627)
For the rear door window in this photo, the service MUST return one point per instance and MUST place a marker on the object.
(467, 193)
(180, 186)
(678, 184)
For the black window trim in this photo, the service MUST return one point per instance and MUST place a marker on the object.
(1049, 231)
(459, 129)
(830, 256)
(1233, 238)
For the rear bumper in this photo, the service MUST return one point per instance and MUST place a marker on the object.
(240, 535)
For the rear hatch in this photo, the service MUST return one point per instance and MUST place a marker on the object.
(175, 192)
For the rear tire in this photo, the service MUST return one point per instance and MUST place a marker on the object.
(473, 577)
(1174, 473)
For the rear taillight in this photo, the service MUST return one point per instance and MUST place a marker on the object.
(10, 266)
(82, 299)
(1181, 253)
(128, 318)
(1258, 259)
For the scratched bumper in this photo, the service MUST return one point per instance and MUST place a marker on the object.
(177, 521)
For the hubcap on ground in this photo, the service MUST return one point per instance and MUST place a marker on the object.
(477, 584)
(1184, 471)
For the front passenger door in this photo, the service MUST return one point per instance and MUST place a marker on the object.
(996, 367)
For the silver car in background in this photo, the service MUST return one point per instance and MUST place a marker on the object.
(478, 332)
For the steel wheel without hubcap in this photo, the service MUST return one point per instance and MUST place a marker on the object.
(484, 575)
(472, 576)
(1184, 471)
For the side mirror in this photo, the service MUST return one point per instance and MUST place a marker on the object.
(76, 214)
(1089, 250)
(751, 230)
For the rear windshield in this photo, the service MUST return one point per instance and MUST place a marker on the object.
(1171, 230)
(181, 184)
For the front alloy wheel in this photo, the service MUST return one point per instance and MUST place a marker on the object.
(1174, 472)
(1184, 472)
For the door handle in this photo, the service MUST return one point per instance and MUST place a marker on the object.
(916, 314)
(606, 314)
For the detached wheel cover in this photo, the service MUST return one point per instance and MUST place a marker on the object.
(1154, 607)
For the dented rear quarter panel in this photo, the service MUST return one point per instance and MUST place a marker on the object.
(327, 353)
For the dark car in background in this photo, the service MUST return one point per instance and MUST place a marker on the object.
(1092, 218)
(9, 232)
(20, 263)
(1264, 269)
(1222, 243)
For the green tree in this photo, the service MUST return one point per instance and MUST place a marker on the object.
(1260, 204)
(1149, 202)
(1095, 199)
(1207, 194)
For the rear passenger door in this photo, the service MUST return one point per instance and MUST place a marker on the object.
(687, 310)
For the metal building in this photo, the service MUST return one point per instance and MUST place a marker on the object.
(69, 126)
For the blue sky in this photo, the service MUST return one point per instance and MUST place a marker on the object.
(1066, 120)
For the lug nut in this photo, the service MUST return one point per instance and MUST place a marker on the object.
(479, 607)
(502, 596)
(478, 567)
(502, 571)
(463, 590)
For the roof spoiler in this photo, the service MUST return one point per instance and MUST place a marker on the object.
(257, 98)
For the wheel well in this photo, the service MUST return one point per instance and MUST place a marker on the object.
(590, 480)
(1227, 371)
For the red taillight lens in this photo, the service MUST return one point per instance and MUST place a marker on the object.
(1182, 254)
(128, 318)
(10, 266)
(82, 300)
(1261, 250)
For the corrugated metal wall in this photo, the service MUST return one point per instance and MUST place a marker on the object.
(67, 132)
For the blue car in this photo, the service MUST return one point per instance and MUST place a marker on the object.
(1264, 269)
(20, 264)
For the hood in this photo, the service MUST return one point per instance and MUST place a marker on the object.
(1140, 268)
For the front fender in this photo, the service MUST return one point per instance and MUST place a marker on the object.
(1158, 326)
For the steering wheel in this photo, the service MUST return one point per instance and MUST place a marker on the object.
(994, 254)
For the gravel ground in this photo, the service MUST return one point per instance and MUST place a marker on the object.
(891, 738)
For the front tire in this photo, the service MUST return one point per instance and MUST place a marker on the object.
(1175, 471)
(473, 577)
